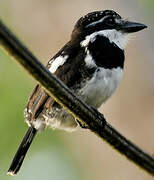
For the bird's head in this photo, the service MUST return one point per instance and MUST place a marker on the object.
(107, 23)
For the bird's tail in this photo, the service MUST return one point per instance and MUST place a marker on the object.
(22, 150)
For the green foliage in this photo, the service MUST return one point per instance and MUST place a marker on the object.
(15, 87)
(148, 6)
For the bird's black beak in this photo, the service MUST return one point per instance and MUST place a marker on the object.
(131, 27)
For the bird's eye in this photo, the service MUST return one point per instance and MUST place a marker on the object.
(110, 20)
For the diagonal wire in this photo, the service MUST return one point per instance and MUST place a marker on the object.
(86, 115)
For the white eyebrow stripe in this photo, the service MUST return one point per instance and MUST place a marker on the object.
(96, 22)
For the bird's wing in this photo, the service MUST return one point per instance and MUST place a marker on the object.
(71, 73)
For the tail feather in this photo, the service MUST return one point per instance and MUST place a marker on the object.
(22, 150)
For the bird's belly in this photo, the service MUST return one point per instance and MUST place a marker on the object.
(94, 92)
(101, 86)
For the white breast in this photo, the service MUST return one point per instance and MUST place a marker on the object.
(101, 86)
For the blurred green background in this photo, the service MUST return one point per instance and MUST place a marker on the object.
(45, 26)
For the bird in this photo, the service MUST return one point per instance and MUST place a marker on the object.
(91, 64)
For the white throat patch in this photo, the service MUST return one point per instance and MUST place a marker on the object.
(114, 36)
